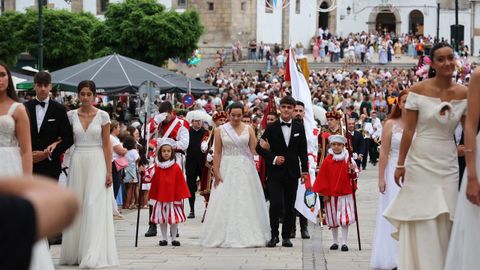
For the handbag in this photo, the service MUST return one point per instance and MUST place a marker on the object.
(121, 163)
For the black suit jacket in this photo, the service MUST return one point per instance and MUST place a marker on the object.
(55, 126)
(295, 151)
(358, 143)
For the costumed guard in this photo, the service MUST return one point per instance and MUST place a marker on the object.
(206, 180)
(167, 125)
(334, 183)
(196, 155)
(168, 189)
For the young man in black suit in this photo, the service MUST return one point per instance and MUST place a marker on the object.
(283, 144)
(357, 141)
(48, 124)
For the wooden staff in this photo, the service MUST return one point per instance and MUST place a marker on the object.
(350, 152)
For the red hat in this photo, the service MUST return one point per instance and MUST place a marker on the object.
(333, 114)
(219, 115)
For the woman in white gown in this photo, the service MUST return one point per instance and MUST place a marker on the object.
(422, 213)
(464, 247)
(16, 151)
(90, 241)
(237, 213)
(385, 248)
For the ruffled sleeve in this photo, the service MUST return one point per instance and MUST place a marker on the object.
(412, 102)
(105, 118)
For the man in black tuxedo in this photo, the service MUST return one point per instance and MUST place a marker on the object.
(48, 124)
(283, 144)
(357, 141)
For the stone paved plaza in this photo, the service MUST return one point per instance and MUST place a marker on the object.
(306, 254)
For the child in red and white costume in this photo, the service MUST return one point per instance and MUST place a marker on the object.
(335, 184)
(168, 189)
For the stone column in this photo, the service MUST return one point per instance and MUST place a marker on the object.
(286, 27)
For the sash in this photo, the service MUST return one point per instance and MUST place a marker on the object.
(170, 128)
(233, 135)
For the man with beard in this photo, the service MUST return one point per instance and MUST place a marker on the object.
(298, 115)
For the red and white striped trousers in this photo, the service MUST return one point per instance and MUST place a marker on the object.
(340, 211)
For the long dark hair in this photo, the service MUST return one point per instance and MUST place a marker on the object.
(235, 105)
(436, 46)
(11, 88)
(396, 111)
(89, 84)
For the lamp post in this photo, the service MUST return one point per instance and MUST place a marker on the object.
(456, 26)
(438, 21)
(40, 35)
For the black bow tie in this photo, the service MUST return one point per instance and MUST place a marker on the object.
(37, 102)
(285, 124)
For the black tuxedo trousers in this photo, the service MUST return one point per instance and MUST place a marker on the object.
(282, 180)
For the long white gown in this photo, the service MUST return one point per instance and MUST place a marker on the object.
(11, 165)
(464, 247)
(423, 210)
(237, 213)
(90, 241)
(385, 248)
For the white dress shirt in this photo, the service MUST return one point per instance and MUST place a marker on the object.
(40, 112)
(287, 131)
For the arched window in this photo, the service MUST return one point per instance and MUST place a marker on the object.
(415, 22)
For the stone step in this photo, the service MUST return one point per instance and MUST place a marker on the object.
(254, 66)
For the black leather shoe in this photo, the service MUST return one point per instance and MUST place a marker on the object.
(305, 234)
(334, 247)
(344, 248)
(163, 243)
(191, 215)
(152, 231)
(273, 242)
(286, 243)
(175, 243)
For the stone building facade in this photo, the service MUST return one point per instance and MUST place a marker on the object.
(228, 21)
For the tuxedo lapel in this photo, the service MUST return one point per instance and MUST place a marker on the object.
(33, 116)
(280, 133)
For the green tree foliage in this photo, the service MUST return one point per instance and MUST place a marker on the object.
(10, 43)
(140, 29)
(143, 30)
(67, 36)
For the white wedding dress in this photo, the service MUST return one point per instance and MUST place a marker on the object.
(237, 213)
(385, 248)
(90, 241)
(464, 246)
(11, 165)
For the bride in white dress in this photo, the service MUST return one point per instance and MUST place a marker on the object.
(16, 152)
(90, 241)
(464, 247)
(385, 248)
(237, 213)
